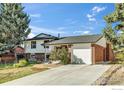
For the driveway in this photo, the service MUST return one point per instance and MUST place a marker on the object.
(64, 75)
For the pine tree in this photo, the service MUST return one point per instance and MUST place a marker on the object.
(115, 34)
(14, 25)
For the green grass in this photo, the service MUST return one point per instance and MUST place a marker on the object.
(5, 66)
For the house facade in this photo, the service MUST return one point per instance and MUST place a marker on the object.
(87, 49)
(35, 48)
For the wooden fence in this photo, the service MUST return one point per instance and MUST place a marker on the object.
(7, 58)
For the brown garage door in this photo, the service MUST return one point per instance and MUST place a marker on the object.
(98, 54)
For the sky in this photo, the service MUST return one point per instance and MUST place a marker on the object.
(67, 19)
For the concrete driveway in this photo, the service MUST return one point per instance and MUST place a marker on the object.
(64, 75)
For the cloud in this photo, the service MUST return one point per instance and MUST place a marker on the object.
(95, 10)
(82, 32)
(91, 17)
(35, 15)
(86, 32)
(98, 9)
(31, 35)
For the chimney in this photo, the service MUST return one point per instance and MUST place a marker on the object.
(58, 35)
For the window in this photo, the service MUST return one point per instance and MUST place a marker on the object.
(46, 41)
(33, 44)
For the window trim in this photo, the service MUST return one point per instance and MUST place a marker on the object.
(33, 44)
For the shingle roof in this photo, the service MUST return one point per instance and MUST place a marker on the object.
(77, 39)
(43, 36)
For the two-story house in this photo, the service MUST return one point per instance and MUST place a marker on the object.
(35, 48)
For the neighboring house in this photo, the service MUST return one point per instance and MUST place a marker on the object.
(88, 49)
(35, 48)
(9, 55)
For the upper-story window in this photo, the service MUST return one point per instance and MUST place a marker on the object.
(33, 44)
(46, 41)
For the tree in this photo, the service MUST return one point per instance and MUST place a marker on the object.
(14, 25)
(115, 34)
(110, 35)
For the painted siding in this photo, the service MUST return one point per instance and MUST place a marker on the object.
(82, 46)
(39, 48)
(102, 42)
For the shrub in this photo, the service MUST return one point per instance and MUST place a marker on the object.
(21, 63)
(54, 55)
(60, 54)
(64, 56)
(16, 65)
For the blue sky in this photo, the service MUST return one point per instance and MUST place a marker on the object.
(67, 19)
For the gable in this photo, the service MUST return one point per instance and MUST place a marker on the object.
(102, 42)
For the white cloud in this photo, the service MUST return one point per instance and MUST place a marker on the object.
(35, 15)
(91, 17)
(98, 9)
(31, 35)
(86, 32)
(95, 10)
(82, 32)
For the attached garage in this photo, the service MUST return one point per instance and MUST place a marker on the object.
(87, 49)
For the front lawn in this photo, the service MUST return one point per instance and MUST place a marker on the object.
(7, 74)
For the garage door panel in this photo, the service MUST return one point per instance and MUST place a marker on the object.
(82, 56)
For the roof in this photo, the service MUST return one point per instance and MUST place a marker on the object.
(43, 36)
(77, 39)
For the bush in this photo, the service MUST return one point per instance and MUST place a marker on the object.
(64, 56)
(54, 55)
(21, 63)
(16, 65)
(119, 56)
(60, 54)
